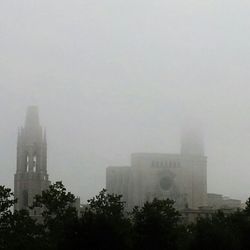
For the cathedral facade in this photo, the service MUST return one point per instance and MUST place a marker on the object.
(180, 177)
(31, 176)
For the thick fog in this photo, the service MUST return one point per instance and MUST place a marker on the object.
(115, 77)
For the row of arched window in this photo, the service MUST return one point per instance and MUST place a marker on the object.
(33, 161)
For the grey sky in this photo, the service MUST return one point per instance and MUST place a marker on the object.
(114, 77)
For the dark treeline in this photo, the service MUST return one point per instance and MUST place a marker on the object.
(105, 225)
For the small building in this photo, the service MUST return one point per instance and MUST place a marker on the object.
(189, 216)
(218, 201)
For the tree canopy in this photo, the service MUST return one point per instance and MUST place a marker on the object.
(104, 224)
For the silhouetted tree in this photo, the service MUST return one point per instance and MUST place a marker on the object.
(17, 229)
(104, 224)
(59, 215)
(6, 200)
(22, 232)
(247, 208)
(214, 232)
(156, 225)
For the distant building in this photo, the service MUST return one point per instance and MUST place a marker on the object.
(181, 177)
(118, 181)
(189, 216)
(31, 176)
(218, 201)
(215, 203)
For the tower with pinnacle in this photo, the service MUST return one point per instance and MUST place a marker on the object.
(31, 176)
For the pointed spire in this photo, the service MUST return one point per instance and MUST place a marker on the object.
(18, 136)
(45, 136)
(32, 117)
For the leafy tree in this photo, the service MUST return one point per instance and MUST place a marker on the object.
(21, 232)
(104, 224)
(17, 229)
(240, 225)
(156, 225)
(217, 230)
(55, 202)
(59, 215)
(247, 208)
(106, 204)
(6, 200)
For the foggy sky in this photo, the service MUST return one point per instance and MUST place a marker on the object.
(114, 77)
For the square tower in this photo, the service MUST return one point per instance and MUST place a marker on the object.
(31, 176)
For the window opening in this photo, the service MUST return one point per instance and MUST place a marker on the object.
(27, 163)
(34, 163)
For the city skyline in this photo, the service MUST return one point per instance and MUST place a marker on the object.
(192, 141)
(112, 78)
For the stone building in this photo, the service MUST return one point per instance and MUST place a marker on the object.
(181, 177)
(218, 201)
(31, 171)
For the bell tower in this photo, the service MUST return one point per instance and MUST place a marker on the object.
(31, 176)
(192, 142)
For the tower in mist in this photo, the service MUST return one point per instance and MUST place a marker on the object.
(181, 177)
(31, 171)
(192, 142)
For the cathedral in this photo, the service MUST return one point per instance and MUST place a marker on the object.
(31, 176)
(180, 177)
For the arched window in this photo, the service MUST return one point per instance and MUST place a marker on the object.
(34, 163)
(27, 163)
